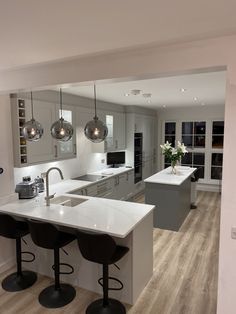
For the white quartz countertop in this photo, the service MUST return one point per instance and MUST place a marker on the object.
(70, 185)
(109, 172)
(117, 218)
(166, 177)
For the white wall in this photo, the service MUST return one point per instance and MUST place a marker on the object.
(6, 179)
(160, 61)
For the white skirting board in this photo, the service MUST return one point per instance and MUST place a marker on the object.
(209, 187)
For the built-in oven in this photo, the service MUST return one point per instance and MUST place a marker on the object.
(138, 157)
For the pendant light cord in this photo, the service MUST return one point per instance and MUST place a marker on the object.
(95, 100)
(61, 102)
(32, 107)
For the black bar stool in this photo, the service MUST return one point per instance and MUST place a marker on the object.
(22, 279)
(47, 236)
(102, 249)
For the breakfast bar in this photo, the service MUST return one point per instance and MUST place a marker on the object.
(171, 193)
(130, 224)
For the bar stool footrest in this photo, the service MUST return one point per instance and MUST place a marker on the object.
(17, 282)
(67, 265)
(29, 253)
(100, 281)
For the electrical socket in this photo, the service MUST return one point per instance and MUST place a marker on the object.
(233, 232)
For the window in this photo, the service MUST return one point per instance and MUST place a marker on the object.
(217, 134)
(170, 136)
(196, 160)
(216, 165)
(194, 134)
(170, 130)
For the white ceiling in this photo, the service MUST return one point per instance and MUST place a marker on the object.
(209, 88)
(41, 31)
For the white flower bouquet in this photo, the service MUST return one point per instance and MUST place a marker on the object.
(172, 154)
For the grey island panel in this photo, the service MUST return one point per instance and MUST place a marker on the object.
(172, 203)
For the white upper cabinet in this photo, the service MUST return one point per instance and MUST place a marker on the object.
(67, 149)
(115, 139)
(47, 148)
(42, 150)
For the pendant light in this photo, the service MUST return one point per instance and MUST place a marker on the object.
(32, 130)
(62, 130)
(95, 130)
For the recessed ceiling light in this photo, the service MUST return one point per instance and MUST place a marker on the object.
(147, 95)
(135, 92)
(195, 98)
(183, 90)
(127, 94)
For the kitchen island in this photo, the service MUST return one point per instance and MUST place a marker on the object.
(171, 193)
(130, 224)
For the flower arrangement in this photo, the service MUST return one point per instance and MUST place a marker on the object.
(172, 154)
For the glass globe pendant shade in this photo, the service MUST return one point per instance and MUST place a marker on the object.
(62, 130)
(32, 130)
(95, 130)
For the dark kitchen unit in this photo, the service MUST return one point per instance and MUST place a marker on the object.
(138, 157)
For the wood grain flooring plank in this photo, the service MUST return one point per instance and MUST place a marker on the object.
(185, 271)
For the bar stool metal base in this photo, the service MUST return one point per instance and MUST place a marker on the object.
(113, 307)
(15, 282)
(52, 298)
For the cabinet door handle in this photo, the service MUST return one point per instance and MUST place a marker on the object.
(56, 153)
(74, 149)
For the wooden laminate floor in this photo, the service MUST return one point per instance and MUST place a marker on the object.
(185, 271)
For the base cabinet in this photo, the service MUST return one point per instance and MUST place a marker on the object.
(119, 187)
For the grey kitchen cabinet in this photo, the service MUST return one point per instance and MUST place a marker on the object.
(116, 138)
(47, 148)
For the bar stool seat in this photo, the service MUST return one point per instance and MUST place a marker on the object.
(102, 249)
(47, 236)
(22, 279)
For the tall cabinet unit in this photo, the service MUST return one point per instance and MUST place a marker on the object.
(47, 148)
(145, 124)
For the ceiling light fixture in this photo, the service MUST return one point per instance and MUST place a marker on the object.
(32, 130)
(126, 94)
(195, 98)
(183, 90)
(147, 95)
(135, 92)
(95, 130)
(62, 130)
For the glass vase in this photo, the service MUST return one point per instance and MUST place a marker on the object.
(173, 167)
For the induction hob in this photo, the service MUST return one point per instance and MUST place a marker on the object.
(90, 177)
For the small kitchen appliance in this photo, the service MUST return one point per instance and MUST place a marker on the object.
(27, 188)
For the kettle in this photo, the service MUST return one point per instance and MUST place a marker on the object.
(39, 182)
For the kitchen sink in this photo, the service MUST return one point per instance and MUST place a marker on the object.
(67, 201)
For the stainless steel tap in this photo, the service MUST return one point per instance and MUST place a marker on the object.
(48, 197)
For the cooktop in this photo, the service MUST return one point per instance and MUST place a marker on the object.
(90, 177)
